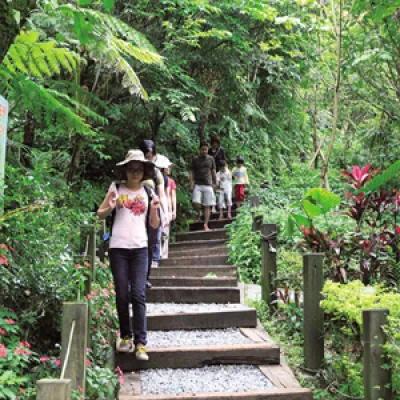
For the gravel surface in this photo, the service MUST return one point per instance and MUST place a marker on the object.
(215, 378)
(169, 308)
(203, 337)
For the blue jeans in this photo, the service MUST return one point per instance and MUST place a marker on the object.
(129, 268)
(157, 247)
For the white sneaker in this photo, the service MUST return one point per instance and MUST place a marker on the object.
(141, 353)
(154, 265)
(124, 345)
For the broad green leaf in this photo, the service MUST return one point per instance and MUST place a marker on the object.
(319, 201)
(301, 220)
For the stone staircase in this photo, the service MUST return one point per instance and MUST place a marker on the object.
(195, 294)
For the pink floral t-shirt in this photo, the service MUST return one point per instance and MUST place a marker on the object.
(129, 227)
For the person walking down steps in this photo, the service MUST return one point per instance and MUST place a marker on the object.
(239, 174)
(224, 183)
(163, 164)
(134, 209)
(202, 178)
(157, 183)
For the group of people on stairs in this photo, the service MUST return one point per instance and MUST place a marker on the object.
(210, 173)
(142, 206)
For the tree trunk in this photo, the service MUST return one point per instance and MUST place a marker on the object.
(29, 139)
(204, 119)
(75, 157)
(335, 106)
(9, 28)
(315, 120)
(155, 125)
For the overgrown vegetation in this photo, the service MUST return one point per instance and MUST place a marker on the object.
(302, 89)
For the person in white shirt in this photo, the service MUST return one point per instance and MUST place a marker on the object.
(224, 183)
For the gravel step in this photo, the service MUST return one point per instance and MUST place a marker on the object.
(193, 271)
(196, 260)
(202, 235)
(193, 295)
(196, 337)
(212, 224)
(167, 308)
(197, 356)
(207, 251)
(214, 378)
(196, 244)
(184, 281)
(268, 394)
(225, 318)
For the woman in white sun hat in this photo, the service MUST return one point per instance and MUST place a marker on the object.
(134, 209)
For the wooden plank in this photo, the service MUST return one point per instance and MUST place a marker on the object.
(53, 389)
(212, 234)
(192, 244)
(203, 320)
(132, 385)
(185, 281)
(273, 394)
(193, 295)
(196, 260)
(252, 335)
(196, 356)
(280, 375)
(200, 271)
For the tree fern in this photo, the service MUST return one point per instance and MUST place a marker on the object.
(49, 105)
(39, 59)
(106, 39)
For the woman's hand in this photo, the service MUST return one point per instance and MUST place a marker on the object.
(112, 199)
(155, 202)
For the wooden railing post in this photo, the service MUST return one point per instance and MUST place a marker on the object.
(313, 313)
(257, 219)
(254, 201)
(268, 263)
(74, 344)
(377, 380)
(53, 389)
(88, 249)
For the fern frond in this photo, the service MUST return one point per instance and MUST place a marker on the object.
(39, 59)
(142, 55)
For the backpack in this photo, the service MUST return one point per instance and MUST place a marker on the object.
(151, 232)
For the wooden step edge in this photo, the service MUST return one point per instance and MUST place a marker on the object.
(194, 243)
(165, 266)
(209, 231)
(267, 394)
(198, 356)
(230, 318)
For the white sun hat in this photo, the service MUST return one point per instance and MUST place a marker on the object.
(134, 155)
(162, 162)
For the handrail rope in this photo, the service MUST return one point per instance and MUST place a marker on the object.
(66, 359)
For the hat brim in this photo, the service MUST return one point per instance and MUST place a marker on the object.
(120, 164)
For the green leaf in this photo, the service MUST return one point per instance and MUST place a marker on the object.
(381, 179)
(319, 201)
(108, 4)
(301, 220)
(84, 2)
